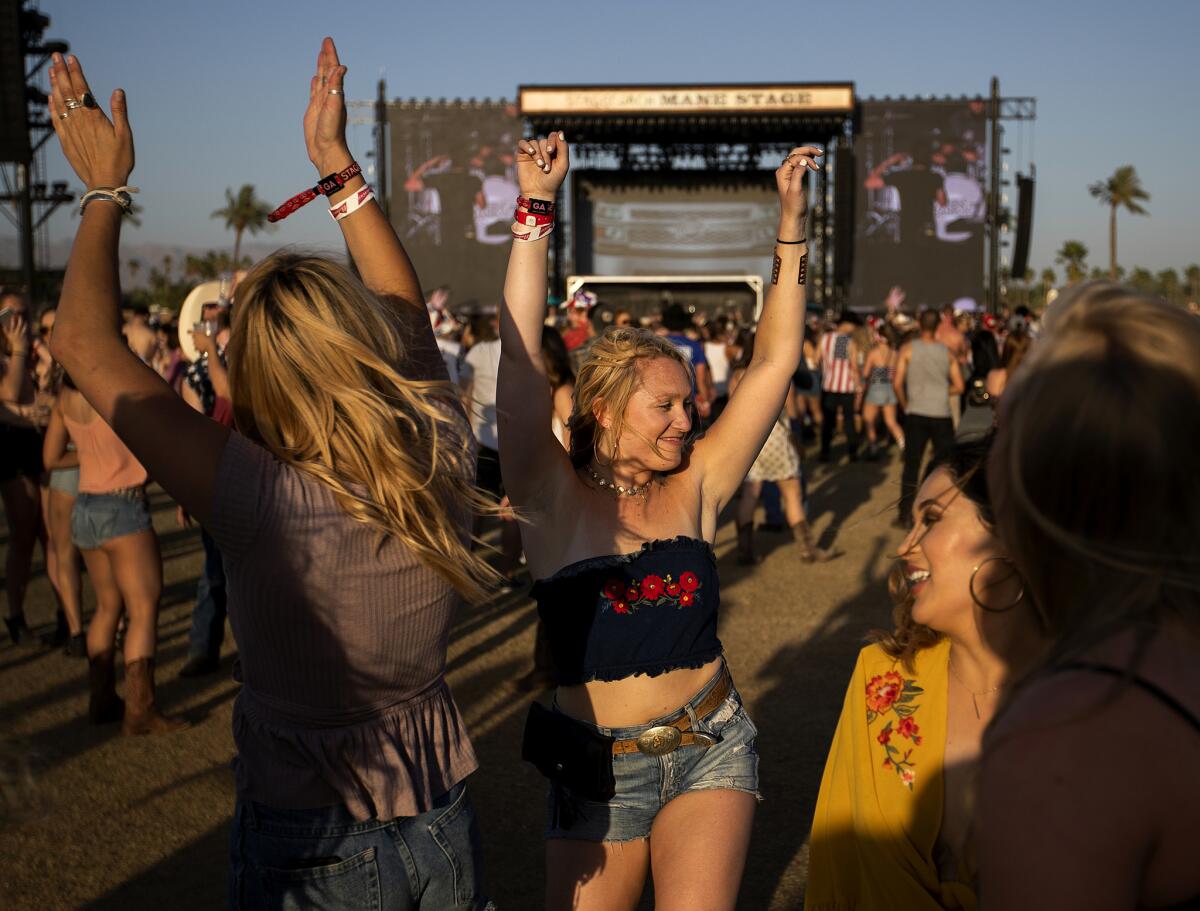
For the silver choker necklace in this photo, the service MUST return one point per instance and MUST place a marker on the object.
(617, 489)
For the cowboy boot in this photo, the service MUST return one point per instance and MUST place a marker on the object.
(809, 552)
(104, 705)
(141, 714)
(745, 546)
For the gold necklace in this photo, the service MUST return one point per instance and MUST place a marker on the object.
(617, 489)
(974, 695)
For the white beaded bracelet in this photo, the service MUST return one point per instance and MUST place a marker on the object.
(352, 204)
(119, 195)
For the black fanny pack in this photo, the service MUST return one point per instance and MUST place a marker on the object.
(570, 754)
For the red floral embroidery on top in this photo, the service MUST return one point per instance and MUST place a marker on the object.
(627, 597)
(882, 692)
(891, 694)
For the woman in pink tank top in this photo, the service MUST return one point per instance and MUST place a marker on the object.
(110, 524)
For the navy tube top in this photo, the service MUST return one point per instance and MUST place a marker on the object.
(648, 612)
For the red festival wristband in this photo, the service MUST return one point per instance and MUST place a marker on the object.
(536, 206)
(326, 185)
(531, 219)
(523, 233)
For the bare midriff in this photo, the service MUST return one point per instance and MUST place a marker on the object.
(634, 700)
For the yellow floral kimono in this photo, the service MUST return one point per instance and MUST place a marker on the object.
(880, 807)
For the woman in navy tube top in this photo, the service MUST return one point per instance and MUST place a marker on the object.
(619, 535)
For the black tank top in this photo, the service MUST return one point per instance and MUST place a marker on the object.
(648, 612)
(1184, 713)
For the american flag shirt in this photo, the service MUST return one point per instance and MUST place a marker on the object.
(838, 372)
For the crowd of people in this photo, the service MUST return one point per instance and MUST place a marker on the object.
(1022, 737)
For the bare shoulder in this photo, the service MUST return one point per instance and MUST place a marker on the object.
(1078, 732)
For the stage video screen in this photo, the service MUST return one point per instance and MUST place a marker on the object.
(454, 188)
(699, 224)
(921, 203)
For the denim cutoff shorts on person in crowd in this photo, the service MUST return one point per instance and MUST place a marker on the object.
(645, 784)
(65, 480)
(323, 860)
(881, 395)
(100, 517)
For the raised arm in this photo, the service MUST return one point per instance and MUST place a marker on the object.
(217, 374)
(532, 461)
(376, 250)
(14, 367)
(726, 452)
(180, 448)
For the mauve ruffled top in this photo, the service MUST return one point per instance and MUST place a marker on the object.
(342, 648)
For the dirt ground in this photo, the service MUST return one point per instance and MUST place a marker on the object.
(107, 822)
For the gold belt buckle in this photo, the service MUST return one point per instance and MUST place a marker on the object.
(659, 741)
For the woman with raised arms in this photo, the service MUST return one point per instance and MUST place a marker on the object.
(648, 747)
(342, 506)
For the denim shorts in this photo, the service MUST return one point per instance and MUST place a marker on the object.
(323, 860)
(100, 517)
(645, 784)
(65, 480)
(881, 395)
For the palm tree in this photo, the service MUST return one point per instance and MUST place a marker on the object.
(243, 212)
(135, 266)
(1169, 285)
(1073, 255)
(1049, 279)
(1143, 280)
(1124, 188)
(1192, 275)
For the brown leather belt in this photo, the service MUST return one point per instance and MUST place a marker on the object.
(676, 732)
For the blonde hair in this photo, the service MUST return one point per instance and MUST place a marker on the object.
(610, 375)
(1094, 477)
(314, 374)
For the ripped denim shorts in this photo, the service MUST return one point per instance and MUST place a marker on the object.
(645, 784)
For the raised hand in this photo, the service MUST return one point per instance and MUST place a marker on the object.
(325, 118)
(16, 334)
(99, 150)
(790, 181)
(542, 165)
(204, 342)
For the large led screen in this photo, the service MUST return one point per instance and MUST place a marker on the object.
(689, 223)
(453, 192)
(921, 202)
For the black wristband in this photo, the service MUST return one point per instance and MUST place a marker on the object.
(536, 206)
(789, 243)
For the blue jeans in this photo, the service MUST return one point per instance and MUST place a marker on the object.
(208, 616)
(772, 504)
(322, 860)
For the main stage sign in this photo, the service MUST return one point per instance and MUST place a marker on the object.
(702, 99)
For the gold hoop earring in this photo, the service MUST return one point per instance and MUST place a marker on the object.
(987, 607)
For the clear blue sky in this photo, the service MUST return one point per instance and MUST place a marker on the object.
(217, 89)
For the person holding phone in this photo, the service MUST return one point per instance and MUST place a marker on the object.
(341, 501)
